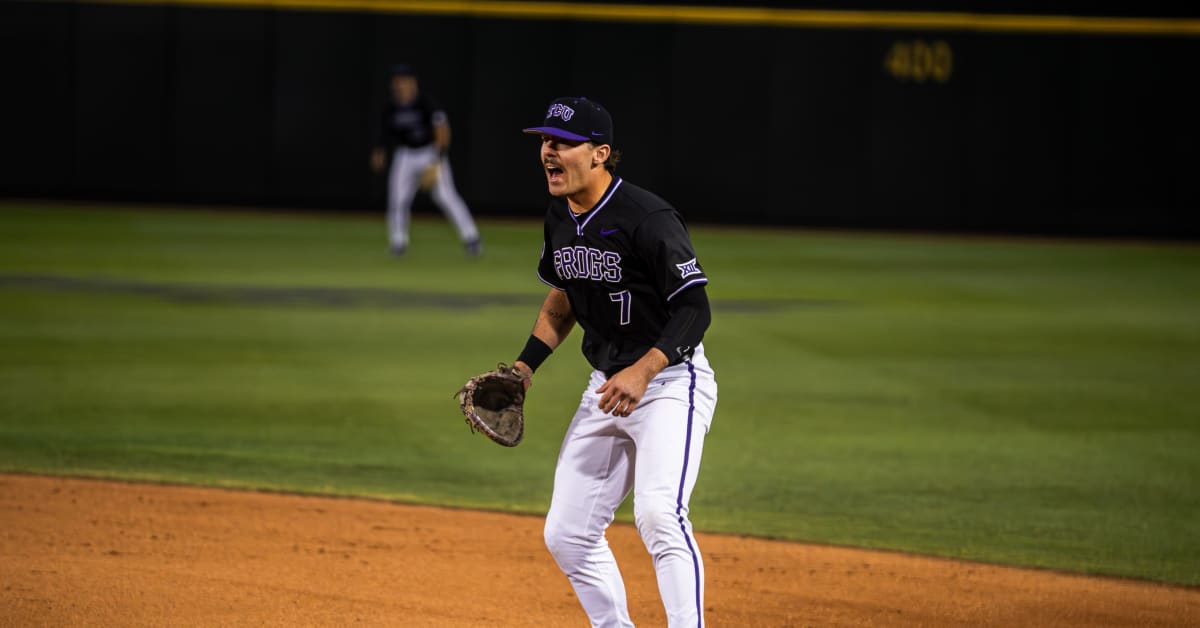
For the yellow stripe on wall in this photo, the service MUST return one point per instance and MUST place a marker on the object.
(728, 16)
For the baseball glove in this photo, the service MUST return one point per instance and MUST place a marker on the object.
(429, 177)
(494, 403)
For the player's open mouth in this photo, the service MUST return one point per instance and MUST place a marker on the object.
(553, 173)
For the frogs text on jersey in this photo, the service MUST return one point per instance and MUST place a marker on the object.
(585, 262)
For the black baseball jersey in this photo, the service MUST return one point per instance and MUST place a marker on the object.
(411, 125)
(620, 264)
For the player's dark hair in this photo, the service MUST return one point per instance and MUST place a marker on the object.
(614, 158)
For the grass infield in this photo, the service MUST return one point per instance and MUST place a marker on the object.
(1013, 401)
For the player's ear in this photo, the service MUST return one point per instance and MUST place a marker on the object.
(600, 155)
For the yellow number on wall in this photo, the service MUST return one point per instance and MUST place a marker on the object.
(920, 61)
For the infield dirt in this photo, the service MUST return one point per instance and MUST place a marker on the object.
(77, 552)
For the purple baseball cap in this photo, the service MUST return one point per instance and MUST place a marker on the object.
(576, 118)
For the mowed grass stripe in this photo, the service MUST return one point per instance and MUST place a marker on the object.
(325, 296)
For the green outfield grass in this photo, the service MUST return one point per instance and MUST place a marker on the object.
(1013, 401)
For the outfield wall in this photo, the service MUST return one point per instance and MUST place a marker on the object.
(1061, 129)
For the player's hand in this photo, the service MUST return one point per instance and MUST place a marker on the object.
(622, 393)
(524, 369)
(377, 159)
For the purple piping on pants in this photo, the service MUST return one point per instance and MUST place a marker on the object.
(687, 448)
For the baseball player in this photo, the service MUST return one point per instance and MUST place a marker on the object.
(419, 134)
(619, 261)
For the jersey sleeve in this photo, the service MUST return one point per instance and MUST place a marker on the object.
(545, 269)
(667, 248)
(435, 111)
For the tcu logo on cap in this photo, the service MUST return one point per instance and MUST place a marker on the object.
(558, 110)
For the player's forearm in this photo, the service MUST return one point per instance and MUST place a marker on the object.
(650, 364)
(554, 322)
(441, 137)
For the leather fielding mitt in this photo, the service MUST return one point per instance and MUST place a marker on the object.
(494, 403)
(429, 177)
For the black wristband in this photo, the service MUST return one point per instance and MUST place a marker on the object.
(535, 352)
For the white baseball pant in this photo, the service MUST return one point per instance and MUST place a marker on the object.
(655, 451)
(404, 179)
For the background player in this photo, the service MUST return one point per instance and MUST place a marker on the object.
(620, 262)
(418, 134)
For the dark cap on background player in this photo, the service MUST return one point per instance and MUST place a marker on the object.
(578, 119)
(403, 69)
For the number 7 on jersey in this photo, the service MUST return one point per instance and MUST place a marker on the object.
(623, 297)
